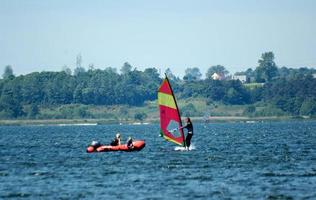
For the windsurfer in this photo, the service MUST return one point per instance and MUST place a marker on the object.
(189, 127)
(117, 140)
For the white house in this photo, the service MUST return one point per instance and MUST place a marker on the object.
(241, 78)
(217, 76)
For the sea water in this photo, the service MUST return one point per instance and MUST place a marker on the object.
(270, 160)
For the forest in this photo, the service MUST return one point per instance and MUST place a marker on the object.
(282, 90)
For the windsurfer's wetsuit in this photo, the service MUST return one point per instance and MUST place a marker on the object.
(189, 127)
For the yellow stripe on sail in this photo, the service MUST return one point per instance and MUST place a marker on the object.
(171, 140)
(166, 100)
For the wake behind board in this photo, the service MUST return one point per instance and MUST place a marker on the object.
(181, 149)
(184, 148)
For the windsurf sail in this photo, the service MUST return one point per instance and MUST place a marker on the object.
(170, 120)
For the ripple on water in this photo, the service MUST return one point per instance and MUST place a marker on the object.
(230, 161)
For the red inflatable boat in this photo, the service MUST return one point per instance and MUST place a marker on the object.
(138, 145)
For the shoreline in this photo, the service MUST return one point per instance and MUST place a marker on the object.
(92, 122)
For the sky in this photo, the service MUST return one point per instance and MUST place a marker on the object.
(38, 35)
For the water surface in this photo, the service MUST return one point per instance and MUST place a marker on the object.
(275, 160)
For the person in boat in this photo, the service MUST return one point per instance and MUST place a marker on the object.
(129, 143)
(117, 140)
(189, 127)
(95, 144)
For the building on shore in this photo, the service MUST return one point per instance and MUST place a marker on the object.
(217, 76)
(241, 78)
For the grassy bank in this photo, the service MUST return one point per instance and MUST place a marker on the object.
(87, 122)
(198, 109)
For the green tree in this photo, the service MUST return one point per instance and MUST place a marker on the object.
(232, 96)
(219, 69)
(214, 89)
(192, 74)
(308, 107)
(267, 68)
(31, 111)
(111, 70)
(240, 95)
(249, 72)
(126, 68)
(152, 75)
(10, 103)
(8, 72)
(170, 75)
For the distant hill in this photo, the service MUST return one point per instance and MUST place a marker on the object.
(96, 93)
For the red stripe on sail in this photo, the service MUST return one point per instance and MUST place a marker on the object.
(165, 88)
(166, 115)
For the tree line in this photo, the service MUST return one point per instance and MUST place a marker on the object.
(291, 91)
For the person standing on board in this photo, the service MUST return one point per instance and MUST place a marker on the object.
(189, 127)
